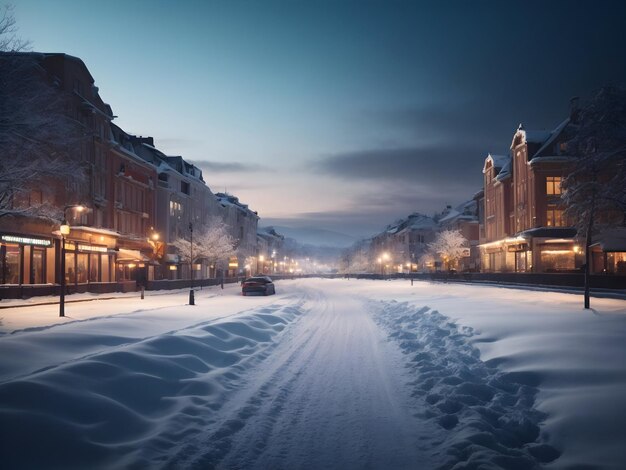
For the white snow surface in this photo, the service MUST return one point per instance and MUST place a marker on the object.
(333, 374)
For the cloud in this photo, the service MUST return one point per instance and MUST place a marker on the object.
(430, 166)
(227, 167)
(369, 211)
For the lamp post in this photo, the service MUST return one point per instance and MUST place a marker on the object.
(65, 230)
(191, 295)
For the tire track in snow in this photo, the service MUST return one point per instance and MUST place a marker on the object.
(331, 395)
(488, 414)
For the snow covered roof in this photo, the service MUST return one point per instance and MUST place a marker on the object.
(417, 221)
(530, 137)
(505, 171)
(269, 232)
(464, 211)
(550, 159)
(101, 231)
(549, 232)
(553, 136)
(497, 161)
(229, 200)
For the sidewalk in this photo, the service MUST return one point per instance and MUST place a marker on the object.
(88, 297)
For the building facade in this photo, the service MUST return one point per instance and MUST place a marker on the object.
(525, 226)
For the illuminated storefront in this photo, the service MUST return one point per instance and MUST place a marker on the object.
(26, 259)
(90, 256)
(541, 250)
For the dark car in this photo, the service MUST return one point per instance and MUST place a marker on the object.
(258, 285)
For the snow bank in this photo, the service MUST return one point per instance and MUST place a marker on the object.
(117, 406)
(489, 414)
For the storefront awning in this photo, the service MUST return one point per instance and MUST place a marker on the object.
(129, 256)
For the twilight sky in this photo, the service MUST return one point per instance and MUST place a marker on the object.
(343, 115)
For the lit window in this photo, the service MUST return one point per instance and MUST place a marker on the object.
(553, 185)
(554, 217)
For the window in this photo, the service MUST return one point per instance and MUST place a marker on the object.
(12, 262)
(93, 267)
(37, 266)
(176, 208)
(184, 187)
(553, 185)
(554, 217)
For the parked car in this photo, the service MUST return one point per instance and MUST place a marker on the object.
(258, 285)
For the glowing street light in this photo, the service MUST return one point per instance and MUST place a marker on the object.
(65, 231)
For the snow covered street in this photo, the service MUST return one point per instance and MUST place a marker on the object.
(326, 374)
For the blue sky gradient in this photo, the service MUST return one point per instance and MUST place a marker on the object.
(336, 114)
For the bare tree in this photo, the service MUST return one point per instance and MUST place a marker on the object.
(37, 137)
(9, 40)
(595, 189)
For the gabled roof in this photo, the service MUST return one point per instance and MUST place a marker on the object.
(418, 221)
(497, 161)
(530, 137)
(465, 211)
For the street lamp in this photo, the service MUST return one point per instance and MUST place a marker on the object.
(191, 295)
(65, 230)
(384, 259)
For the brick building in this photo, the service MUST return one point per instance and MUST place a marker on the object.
(525, 229)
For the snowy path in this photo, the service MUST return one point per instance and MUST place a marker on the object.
(331, 396)
(330, 374)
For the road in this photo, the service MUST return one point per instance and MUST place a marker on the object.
(332, 394)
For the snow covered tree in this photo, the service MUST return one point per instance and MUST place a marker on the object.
(595, 190)
(212, 243)
(426, 261)
(216, 245)
(37, 136)
(449, 246)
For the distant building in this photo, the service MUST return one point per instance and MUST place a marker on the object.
(464, 218)
(243, 224)
(399, 247)
(269, 248)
